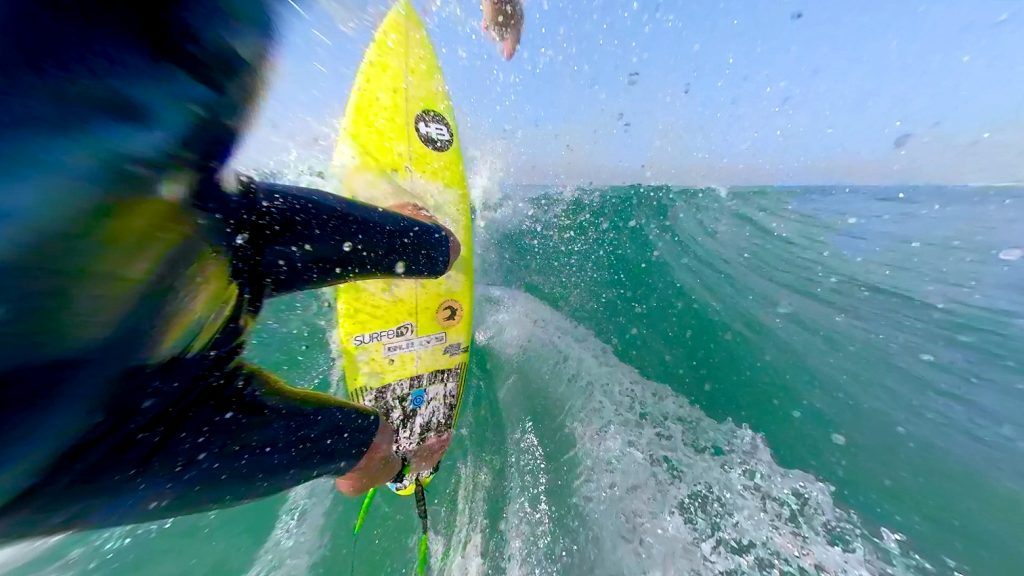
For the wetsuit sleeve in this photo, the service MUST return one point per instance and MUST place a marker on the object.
(162, 451)
(285, 238)
(311, 239)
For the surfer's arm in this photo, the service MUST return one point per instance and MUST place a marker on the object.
(308, 238)
(162, 450)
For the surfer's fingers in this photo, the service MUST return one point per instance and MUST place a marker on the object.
(414, 210)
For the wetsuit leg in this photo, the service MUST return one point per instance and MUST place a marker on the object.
(170, 448)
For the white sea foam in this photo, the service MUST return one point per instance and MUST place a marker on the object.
(659, 487)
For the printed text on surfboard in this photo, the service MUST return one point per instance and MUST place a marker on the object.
(403, 330)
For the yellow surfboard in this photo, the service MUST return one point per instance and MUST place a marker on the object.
(405, 343)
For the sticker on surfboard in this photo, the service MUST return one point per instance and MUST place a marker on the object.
(419, 407)
(434, 130)
(449, 313)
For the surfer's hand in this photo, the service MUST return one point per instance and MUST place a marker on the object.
(414, 210)
(377, 466)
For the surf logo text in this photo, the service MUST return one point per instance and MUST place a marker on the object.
(434, 130)
(398, 332)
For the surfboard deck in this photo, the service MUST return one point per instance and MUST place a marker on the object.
(405, 344)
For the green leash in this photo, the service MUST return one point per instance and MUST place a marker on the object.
(423, 557)
(359, 525)
(364, 510)
(421, 510)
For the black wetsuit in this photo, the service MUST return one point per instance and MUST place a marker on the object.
(129, 276)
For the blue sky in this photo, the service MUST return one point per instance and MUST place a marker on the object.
(725, 93)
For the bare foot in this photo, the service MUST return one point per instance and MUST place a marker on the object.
(377, 466)
(380, 464)
(428, 454)
(503, 19)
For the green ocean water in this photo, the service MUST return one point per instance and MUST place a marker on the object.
(817, 380)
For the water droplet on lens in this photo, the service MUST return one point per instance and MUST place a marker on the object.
(1011, 254)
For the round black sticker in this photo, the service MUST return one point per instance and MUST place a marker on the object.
(434, 131)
